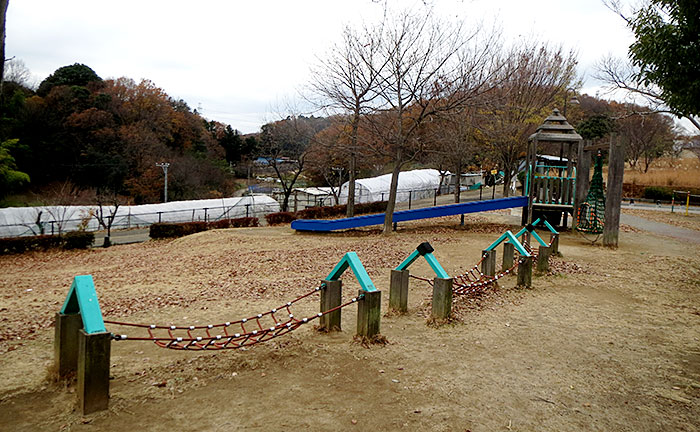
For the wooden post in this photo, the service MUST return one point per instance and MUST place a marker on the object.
(93, 371)
(65, 344)
(554, 242)
(616, 170)
(398, 291)
(331, 297)
(543, 259)
(508, 255)
(533, 162)
(525, 272)
(488, 265)
(442, 298)
(369, 313)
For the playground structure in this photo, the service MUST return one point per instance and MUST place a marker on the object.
(555, 191)
(407, 215)
(482, 275)
(551, 189)
(83, 344)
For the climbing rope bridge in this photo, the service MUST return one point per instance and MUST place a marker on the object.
(231, 334)
(475, 280)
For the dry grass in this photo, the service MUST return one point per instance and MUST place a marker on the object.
(670, 172)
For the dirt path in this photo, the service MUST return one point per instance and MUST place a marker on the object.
(609, 342)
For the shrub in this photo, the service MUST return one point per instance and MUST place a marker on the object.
(658, 193)
(78, 240)
(72, 240)
(172, 230)
(280, 218)
(373, 207)
(235, 223)
(340, 210)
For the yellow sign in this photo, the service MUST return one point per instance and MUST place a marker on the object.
(494, 172)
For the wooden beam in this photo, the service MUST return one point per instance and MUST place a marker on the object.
(616, 170)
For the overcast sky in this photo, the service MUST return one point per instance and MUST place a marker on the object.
(237, 61)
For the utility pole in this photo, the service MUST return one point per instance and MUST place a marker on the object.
(165, 166)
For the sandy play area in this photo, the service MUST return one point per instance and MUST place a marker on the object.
(608, 341)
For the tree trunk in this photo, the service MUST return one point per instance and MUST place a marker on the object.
(350, 209)
(285, 201)
(3, 14)
(458, 177)
(391, 204)
(507, 177)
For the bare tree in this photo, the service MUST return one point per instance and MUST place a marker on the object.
(456, 142)
(646, 137)
(63, 198)
(534, 77)
(621, 75)
(107, 206)
(327, 155)
(346, 80)
(17, 72)
(431, 67)
(285, 145)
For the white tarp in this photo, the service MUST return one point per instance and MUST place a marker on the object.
(417, 184)
(18, 221)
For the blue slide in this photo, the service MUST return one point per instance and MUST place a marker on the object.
(325, 225)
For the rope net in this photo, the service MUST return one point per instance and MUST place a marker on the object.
(591, 212)
(475, 282)
(228, 335)
(472, 281)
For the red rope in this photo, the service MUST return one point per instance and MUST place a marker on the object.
(209, 341)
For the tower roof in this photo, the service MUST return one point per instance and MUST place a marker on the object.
(555, 128)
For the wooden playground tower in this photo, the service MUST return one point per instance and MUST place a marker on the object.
(551, 186)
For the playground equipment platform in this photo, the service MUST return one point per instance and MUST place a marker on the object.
(407, 215)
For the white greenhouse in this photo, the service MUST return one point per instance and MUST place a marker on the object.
(20, 221)
(413, 185)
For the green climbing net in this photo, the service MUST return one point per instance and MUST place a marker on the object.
(591, 213)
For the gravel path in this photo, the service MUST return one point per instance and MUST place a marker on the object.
(660, 228)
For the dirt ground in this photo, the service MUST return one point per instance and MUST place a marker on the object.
(608, 341)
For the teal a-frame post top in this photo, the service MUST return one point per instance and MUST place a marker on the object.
(353, 261)
(426, 251)
(550, 227)
(82, 299)
(531, 229)
(513, 240)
